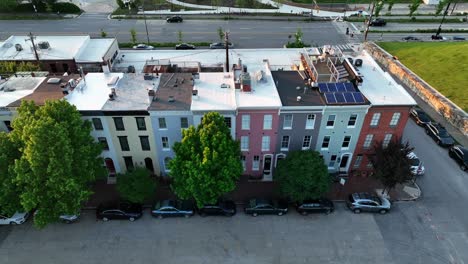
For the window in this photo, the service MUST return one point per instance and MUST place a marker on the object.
(243, 162)
(369, 163)
(256, 163)
(279, 158)
(165, 143)
(287, 122)
(119, 125)
(245, 122)
(352, 120)
(331, 164)
(310, 121)
(145, 145)
(227, 121)
(183, 122)
(128, 163)
(265, 143)
(306, 142)
(141, 125)
(97, 124)
(285, 143)
(8, 125)
(267, 121)
(386, 140)
(331, 121)
(395, 119)
(103, 142)
(166, 164)
(368, 141)
(346, 141)
(162, 123)
(124, 143)
(326, 142)
(375, 120)
(358, 161)
(244, 143)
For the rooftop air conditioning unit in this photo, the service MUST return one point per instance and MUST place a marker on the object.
(18, 47)
(43, 45)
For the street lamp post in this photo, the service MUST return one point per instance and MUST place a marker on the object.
(443, 19)
(146, 25)
(369, 21)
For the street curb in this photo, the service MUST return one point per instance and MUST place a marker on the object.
(412, 199)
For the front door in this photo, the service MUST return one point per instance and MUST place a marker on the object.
(267, 164)
(344, 163)
(149, 164)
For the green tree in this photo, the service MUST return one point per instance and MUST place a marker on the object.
(390, 5)
(10, 194)
(413, 7)
(133, 34)
(121, 4)
(59, 159)
(378, 7)
(440, 6)
(391, 164)
(180, 36)
(136, 185)
(207, 163)
(8, 5)
(302, 175)
(221, 34)
(103, 33)
(12, 67)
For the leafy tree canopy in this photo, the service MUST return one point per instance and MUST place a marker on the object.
(136, 185)
(207, 162)
(10, 191)
(302, 175)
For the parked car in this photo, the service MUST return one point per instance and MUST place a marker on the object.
(364, 202)
(16, 219)
(315, 206)
(411, 38)
(172, 208)
(459, 38)
(174, 19)
(439, 134)
(460, 155)
(143, 47)
(419, 116)
(184, 46)
(417, 167)
(438, 37)
(68, 219)
(378, 22)
(226, 208)
(119, 211)
(256, 207)
(220, 45)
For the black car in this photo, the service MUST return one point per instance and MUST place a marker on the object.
(378, 22)
(419, 116)
(184, 46)
(438, 37)
(460, 155)
(411, 38)
(439, 134)
(226, 208)
(315, 206)
(122, 210)
(174, 19)
(172, 208)
(256, 207)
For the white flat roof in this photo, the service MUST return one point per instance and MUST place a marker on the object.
(61, 48)
(22, 86)
(94, 50)
(378, 86)
(210, 94)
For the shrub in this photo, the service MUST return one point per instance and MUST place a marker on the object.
(67, 8)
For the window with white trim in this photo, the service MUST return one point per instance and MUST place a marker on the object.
(287, 122)
(165, 143)
(352, 120)
(386, 140)
(346, 141)
(306, 142)
(267, 122)
(166, 164)
(285, 143)
(358, 161)
(244, 143)
(265, 143)
(325, 142)
(395, 119)
(162, 123)
(331, 164)
(243, 161)
(331, 121)
(256, 163)
(310, 121)
(375, 120)
(184, 122)
(368, 141)
(245, 122)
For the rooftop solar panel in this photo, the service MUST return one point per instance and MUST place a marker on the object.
(341, 87)
(339, 98)
(350, 87)
(330, 98)
(358, 97)
(332, 87)
(323, 87)
(349, 97)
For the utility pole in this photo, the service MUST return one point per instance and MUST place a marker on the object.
(146, 26)
(31, 38)
(369, 21)
(443, 19)
(226, 41)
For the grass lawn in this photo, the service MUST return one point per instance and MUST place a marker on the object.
(442, 64)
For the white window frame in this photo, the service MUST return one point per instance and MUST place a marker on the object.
(375, 119)
(387, 139)
(256, 163)
(277, 158)
(244, 162)
(328, 120)
(332, 162)
(395, 119)
(245, 143)
(328, 145)
(368, 141)
(306, 142)
(350, 120)
(166, 162)
(265, 143)
(245, 122)
(282, 140)
(310, 121)
(267, 122)
(358, 161)
(168, 144)
(163, 119)
(285, 126)
(344, 141)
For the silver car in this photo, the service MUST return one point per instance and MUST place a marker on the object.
(364, 202)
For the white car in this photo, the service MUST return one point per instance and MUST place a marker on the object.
(417, 167)
(143, 47)
(68, 219)
(16, 219)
